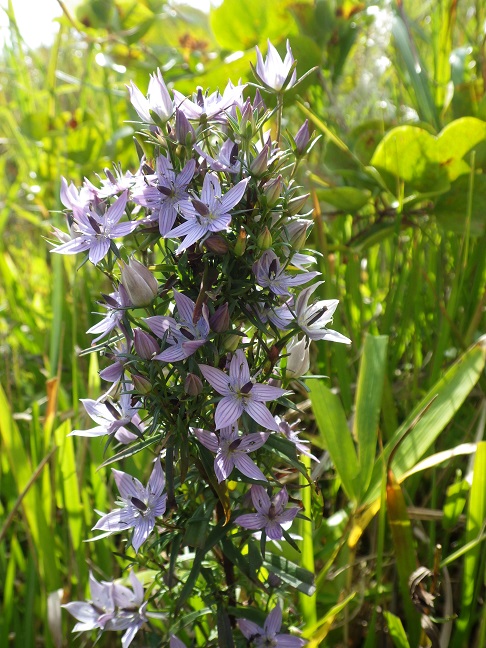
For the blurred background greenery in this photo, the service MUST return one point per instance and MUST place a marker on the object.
(399, 194)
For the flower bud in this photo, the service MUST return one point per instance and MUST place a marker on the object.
(193, 385)
(139, 282)
(260, 164)
(298, 360)
(302, 139)
(240, 245)
(264, 240)
(216, 244)
(231, 342)
(272, 190)
(141, 384)
(220, 320)
(295, 205)
(185, 133)
(145, 344)
(296, 234)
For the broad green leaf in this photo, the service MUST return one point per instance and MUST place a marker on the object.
(456, 141)
(333, 429)
(446, 397)
(409, 155)
(368, 405)
(347, 199)
(241, 25)
(451, 207)
(395, 630)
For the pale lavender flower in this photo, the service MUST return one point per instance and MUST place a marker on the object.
(271, 514)
(313, 319)
(117, 182)
(169, 192)
(77, 200)
(95, 232)
(213, 106)
(184, 336)
(232, 450)
(274, 72)
(112, 419)
(157, 101)
(113, 607)
(140, 506)
(241, 394)
(97, 612)
(116, 303)
(210, 214)
(131, 610)
(298, 359)
(226, 158)
(279, 316)
(290, 432)
(270, 274)
(269, 634)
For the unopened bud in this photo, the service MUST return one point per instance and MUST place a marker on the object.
(140, 284)
(240, 245)
(302, 139)
(295, 205)
(260, 164)
(145, 344)
(216, 244)
(296, 234)
(231, 342)
(264, 240)
(220, 320)
(193, 385)
(272, 190)
(298, 360)
(185, 133)
(141, 384)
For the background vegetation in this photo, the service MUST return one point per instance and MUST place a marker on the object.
(398, 189)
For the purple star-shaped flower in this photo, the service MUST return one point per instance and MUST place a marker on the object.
(313, 319)
(290, 432)
(271, 514)
(184, 337)
(170, 191)
(116, 303)
(210, 214)
(232, 450)
(112, 418)
(95, 232)
(130, 614)
(241, 394)
(211, 106)
(274, 72)
(270, 274)
(269, 634)
(226, 158)
(97, 612)
(140, 506)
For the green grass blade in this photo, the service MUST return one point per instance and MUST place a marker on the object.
(447, 395)
(368, 405)
(334, 431)
(473, 576)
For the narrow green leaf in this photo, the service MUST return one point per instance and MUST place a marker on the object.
(447, 395)
(295, 576)
(368, 405)
(396, 631)
(472, 575)
(334, 430)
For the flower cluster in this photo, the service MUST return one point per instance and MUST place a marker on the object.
(209, 322)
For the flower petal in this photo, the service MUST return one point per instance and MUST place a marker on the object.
(248, 467)
(228, 410)
(261, 414)
(216, 378)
